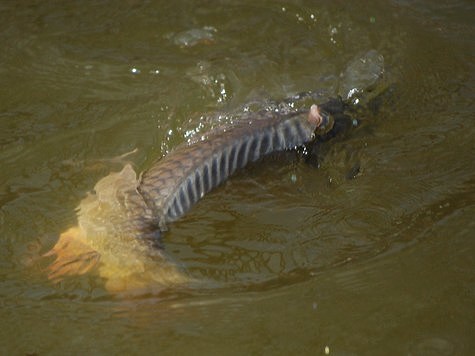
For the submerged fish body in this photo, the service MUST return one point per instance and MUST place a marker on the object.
(113, 222)
(115, 207)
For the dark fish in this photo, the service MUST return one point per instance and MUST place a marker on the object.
(177, 181)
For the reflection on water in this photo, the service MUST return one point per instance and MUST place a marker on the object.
(292, 258)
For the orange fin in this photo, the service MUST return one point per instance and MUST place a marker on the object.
(137, 275)
(73, 255)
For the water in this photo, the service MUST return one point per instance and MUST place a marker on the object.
(290, 258)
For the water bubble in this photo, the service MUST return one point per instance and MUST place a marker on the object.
(293, 178)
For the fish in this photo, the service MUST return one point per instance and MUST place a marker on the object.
(121, 221)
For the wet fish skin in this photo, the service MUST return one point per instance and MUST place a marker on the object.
(177, 181)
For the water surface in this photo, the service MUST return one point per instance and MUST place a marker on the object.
(291, 258)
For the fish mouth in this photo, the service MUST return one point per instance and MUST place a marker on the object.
(322, 119)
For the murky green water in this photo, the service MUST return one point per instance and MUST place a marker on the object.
(292, 259)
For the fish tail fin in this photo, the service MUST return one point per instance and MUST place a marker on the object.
(74, 256)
